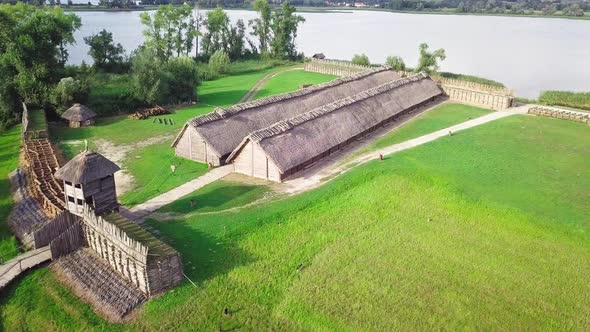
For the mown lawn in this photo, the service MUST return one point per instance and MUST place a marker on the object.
(486, 229)
(219, 195)
(9, 150)
(291, 80)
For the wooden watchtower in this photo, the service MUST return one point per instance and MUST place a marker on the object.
(89, 179)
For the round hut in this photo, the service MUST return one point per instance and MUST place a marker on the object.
(79, 116)
(89, 179)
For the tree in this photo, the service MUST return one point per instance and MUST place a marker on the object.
(217, 23)
(235, 40)
(573, 10)
(148, 82)
(33, 44)
(219, 62)
(261, 26)
(396, 63)
(362, 60)
(104, 52)
(284, 31)
(428, 61)
(182, 75)
(67, 92)
(170, 30)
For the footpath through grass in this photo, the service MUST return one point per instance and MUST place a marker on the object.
(9, 150)
(485, 229)
(291, 80)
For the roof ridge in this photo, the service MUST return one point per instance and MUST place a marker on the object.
(221, 113)
(285, 125)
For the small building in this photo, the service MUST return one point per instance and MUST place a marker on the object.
(211, 138)
(88, 179)
(287, 147)
(79, 116)
(319, 56)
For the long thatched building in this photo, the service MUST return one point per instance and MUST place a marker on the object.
(211, 138)
(287, 147)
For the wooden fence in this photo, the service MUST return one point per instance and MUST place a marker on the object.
(334, 67)
(55, 227)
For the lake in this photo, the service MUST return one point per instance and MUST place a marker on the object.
(526, 54)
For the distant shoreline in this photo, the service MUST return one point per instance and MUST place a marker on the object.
(338, 10)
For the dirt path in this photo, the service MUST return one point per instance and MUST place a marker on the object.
(256, 88)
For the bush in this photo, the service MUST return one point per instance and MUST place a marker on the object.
(579, 100)
(219, 63)
(68, 92)
(362, 60)
(182, 78)
(148, 77)
(396, 62)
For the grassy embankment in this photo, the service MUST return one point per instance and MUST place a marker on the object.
(150, 164)
(578, 100)
(9, 150)
(291, 81)
(484, 229)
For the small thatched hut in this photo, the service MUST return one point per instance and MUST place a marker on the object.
(89, 179)
(210, 138)
(79, 116)
(319, 56)
(287, 147)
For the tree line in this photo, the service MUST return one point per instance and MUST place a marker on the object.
(180, 49)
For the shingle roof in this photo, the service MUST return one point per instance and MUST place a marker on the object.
(86, 167)
(224, 128)
(294, 141)
(78, 113)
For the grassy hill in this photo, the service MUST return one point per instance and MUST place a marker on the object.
(484, 229)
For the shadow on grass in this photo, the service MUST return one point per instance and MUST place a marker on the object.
(222, 98)
(212, 199)
(203, 256)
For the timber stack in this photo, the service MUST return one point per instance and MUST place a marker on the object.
(146, 113)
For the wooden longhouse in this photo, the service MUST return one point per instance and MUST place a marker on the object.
(89, 180)
(287, 147)
(211, 138)
(79, 116)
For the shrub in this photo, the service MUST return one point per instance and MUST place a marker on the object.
(67, 92)
(396, 62)
(182, 79)
(219, 63)
(148, 77)
(579, 100)
(361, 59)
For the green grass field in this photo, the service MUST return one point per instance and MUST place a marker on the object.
(485, 229)
(440, 117)
(9, 150)
(290, 81)
(219, 195)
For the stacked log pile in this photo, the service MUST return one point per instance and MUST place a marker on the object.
(96, 282)
(146, 113)
(560, 114)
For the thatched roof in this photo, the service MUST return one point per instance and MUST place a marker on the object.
(86, 167)
(319, 56)
(78, 113)
(299, 139)
(224, 128)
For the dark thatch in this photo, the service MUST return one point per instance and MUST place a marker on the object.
(78, 113)
(86, 167)
(291, 143)
(224, 128)
(320, 56)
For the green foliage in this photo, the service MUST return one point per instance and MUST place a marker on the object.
(68, 92)
(573, 9)
(221, 35)
(579, 100)
(170, 31)
(33, 52)
(361, 59)
(284, 27)
(261, 26)
(396, 62)
(429, 61)
(183, 79)
(471, 78)
(112, 94)
(106, 54)
(219, 63)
